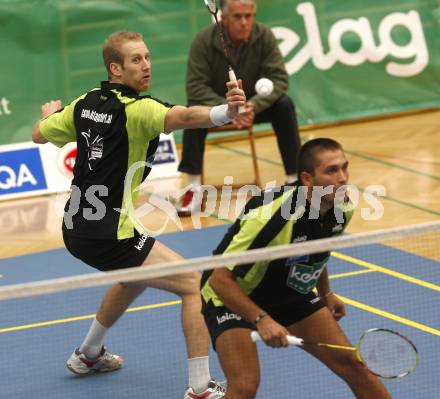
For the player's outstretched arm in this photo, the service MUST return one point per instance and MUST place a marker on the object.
(180, 117)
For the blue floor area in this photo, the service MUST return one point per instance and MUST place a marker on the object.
(152, 343)
(59, 263)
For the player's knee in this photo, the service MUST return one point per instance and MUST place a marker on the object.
(190, 284)
(193, 280)
(353, 371)
(135, 287)
(285, 103)
(242, 389)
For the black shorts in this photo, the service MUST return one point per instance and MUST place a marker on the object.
(108, 255)
(221, 319)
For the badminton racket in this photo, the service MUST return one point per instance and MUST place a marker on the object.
(386, 353)
(213, 8)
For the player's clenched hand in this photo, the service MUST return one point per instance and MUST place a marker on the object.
(272, 333)
(50, 107)
(245, 119)
(235, 98)
(335, 305)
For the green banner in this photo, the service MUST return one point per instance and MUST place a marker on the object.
(356, 59)
(346, 59)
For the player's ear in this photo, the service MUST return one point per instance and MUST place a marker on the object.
(305, 178)
(116, 69)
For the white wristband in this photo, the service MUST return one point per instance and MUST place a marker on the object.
(218, 115)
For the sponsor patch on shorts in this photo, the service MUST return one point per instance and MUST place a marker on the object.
(315, 300)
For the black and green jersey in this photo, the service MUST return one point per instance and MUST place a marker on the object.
(277, 218)
(114, 128)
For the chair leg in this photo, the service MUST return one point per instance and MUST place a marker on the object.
(250, 135)
(202, 175)
(254, 157)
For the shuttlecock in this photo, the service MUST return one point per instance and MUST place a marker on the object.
(264, 87)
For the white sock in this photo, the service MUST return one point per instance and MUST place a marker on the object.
(199, 375)
(94, 340)
(291, 178)
(195, 180)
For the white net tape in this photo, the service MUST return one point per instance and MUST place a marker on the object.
(211, 262)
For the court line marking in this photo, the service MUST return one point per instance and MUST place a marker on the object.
(385, 270)
(85, 317)
(349, 274)
(385, 197)
(354, 154)
(388, 315)
(370, 268)
(377, 268)
(391, 164)
(135, 309)
(347, 300)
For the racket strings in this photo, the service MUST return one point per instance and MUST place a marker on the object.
(388, 354)
(212, 7)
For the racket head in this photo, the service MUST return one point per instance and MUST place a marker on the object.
(212, 6)
(386, 353)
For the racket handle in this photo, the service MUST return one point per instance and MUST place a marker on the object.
(233, 78)
(291, 339)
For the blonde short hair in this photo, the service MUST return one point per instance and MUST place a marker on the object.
(111, 50)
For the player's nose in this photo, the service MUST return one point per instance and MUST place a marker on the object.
(146, 65)
(342, 177)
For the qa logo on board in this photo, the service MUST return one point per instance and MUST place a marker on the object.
(21, 170)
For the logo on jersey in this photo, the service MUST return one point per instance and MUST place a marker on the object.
(228, 316)
(142, 241)
(95, 144)
(96, 116)
(300, 239)
(315, 300)
(295, 260)
(303, 278)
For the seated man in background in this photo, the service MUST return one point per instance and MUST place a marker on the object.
(255, 53)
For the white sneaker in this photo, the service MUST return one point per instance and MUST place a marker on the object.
(214, 391)
(190, 202)
(79, 363)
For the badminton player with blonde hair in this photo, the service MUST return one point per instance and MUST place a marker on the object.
(115, 127)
